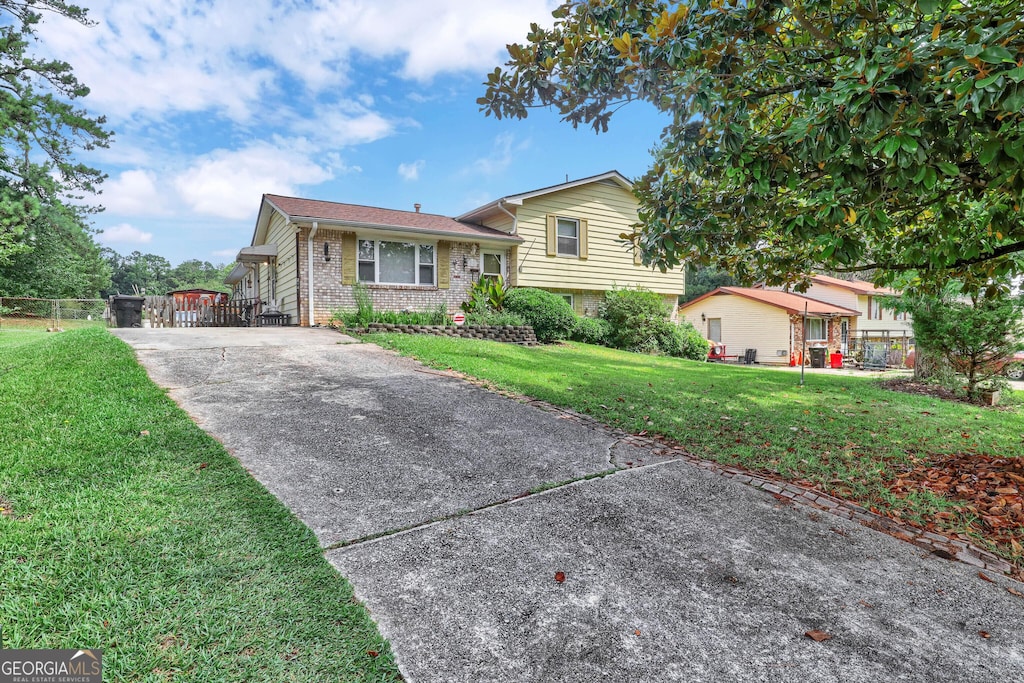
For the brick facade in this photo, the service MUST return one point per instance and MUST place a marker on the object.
(329, 294)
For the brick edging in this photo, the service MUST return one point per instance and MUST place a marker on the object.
(938, 544)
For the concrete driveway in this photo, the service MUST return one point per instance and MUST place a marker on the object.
(454, 512)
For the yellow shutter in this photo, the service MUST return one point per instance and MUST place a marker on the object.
(444, 265)
(513, 267)
(637, 257)
(577, 302)
(552, 235)
(348, 259)
(584, 250)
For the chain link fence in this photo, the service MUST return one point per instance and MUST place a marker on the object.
(51, 314)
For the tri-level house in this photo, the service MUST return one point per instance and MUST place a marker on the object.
(306, 255)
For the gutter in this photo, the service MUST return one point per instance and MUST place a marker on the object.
(309, 255)
(515, 221)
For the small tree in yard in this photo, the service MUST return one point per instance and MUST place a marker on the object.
(971, 336)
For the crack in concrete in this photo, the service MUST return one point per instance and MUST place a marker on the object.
(540, 490)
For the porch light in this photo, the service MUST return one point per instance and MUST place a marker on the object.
(327, 251)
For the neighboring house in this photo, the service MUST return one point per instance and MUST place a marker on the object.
(769, 321)
(875, 322)
(306, 254)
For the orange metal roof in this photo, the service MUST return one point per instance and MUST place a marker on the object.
(793, 303)
(859, 286)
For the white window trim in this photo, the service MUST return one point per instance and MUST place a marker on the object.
(376, 263)
(570, 297)
(558, 251)
(824, 329)
(501, 258)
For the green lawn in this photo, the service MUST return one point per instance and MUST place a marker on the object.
(844, 435)
(125, 527)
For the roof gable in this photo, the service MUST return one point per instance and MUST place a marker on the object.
(610, 177)
(358, 216)
(792, 303)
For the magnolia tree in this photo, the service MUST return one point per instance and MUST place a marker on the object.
(884, 138)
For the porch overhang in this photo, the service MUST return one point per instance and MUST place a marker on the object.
(257, 254)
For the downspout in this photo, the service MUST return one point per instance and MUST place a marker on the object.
(515, 226)
(309, 270)
(515, 221)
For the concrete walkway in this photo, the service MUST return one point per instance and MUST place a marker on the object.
(427, 493)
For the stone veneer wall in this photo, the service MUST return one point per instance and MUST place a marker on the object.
(834, 344)
(512, 334)
(329, 294)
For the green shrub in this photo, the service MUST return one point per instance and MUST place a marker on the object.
(639, 320)
(550, 315)
(591, 330)
(684, 341)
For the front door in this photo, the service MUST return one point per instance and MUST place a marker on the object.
(844, 337)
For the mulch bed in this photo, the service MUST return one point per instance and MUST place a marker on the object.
(988, 490)
(910, 386)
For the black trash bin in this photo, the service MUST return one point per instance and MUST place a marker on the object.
(128, 310)
(818, 358)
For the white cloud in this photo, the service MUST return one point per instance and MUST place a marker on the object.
(229, 183)
(154, 57)
(411, 171)
(225, 253)
(501, 156)
(124, 233)
(134, 193)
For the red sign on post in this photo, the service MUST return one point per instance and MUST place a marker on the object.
(459, 319)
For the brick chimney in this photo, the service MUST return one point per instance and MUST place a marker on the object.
(417, 207)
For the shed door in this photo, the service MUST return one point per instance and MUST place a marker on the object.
(715, 329)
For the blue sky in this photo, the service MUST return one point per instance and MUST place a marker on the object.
(215, 103)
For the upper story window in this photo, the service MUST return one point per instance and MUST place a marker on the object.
(568, 230)
(396, 263)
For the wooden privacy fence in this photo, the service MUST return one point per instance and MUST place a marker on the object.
(168, 311)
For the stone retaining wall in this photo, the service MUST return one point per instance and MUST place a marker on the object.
(511, 334)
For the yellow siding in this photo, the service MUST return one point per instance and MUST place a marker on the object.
(833, 295)
(283, 235)
(608, 211)
(887, 323)
(746, 324)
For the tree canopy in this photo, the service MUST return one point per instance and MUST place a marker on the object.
(883, 137)
(41, 128)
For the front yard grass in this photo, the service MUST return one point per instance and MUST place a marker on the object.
(843, 435)
(124, 527)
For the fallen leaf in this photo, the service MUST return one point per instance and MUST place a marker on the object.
(818, 636)
(636, 632)
(981, 575)
(204, 465)
(865, 603)
(984, 634)
(1014, 591)
(144, 432)
(372, 653)
(560, 577)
